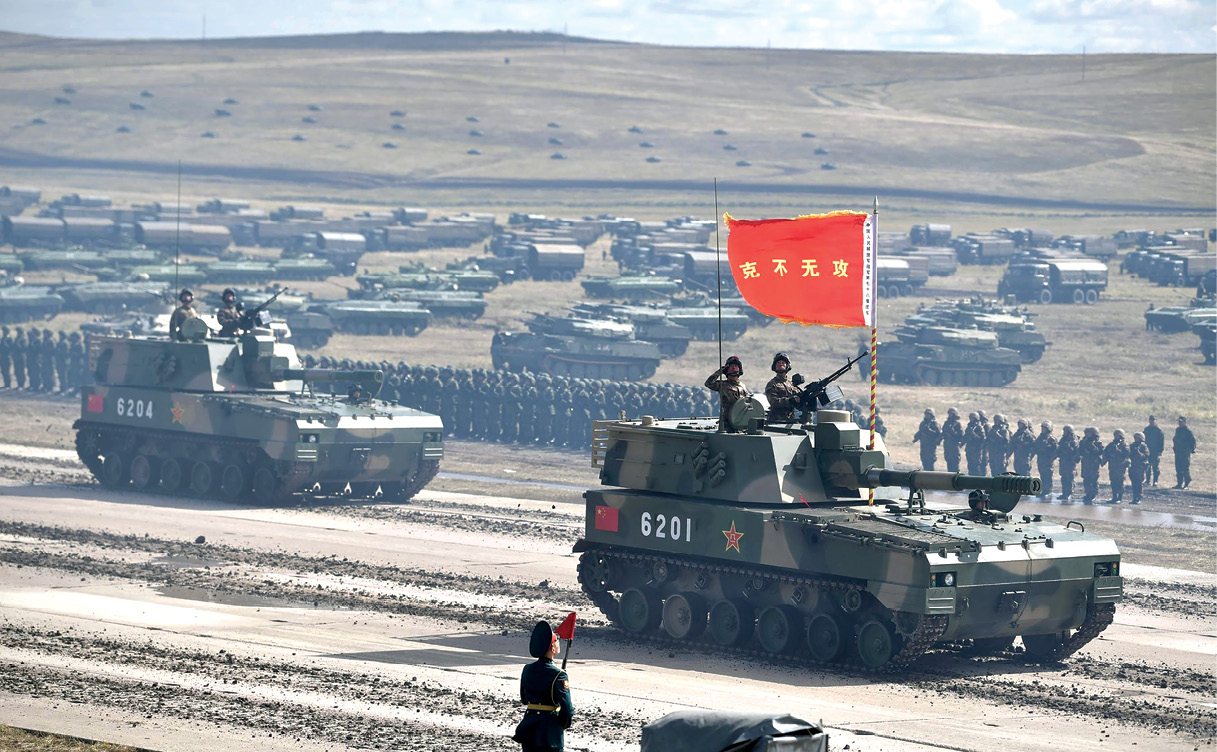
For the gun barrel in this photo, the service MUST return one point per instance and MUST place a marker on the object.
(935, 480)
(322, 375)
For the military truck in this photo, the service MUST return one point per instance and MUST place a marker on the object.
(933, 354)
(237, 418)
(1068, 280)
(764, 539)
(555, 261)
(381, 317)
(896, 277)
(976, 248)
(576, 346)
(930, 234)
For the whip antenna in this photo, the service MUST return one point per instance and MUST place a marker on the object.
(718, 270)
(177, 234)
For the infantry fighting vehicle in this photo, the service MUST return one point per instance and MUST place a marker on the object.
(650, 324)
(630, 288)
(20, 302)
(383, 317)
(1014, 328)
(765, 541)
(461, 304)
(238, 418)
(929, 354)
(114, 297)
(576, 346)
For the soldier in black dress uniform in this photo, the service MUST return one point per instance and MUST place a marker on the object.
(545, 690)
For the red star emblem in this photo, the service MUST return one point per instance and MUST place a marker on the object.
(177, 413)
(733, 538)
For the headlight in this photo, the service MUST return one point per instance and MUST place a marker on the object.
(942, 579)
(308, 438)
(948, 579)
(1107, 568)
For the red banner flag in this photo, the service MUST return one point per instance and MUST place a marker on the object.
(606, 518)
(566, 630)
(813, 270)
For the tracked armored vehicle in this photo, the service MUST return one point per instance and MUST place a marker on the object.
(20, 303)
(650, 324)
(381, 317)
(114, 297)
(576, 346)
(763, 541)
(237, 418)
(929, 354)
(1014, 328)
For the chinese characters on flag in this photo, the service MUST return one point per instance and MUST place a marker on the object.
(809, 270)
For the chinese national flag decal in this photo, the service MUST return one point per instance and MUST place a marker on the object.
(606, 518)
(96, 403)
(809, 270)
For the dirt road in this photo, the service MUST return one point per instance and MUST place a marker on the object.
(389, 627)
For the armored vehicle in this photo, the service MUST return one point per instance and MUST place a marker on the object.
(239, 271)
(929, 354)
(20, 303)
(703, 320)
(576, 346)
(463, 304)
(238, 418)
(304, 267)
(75, 259)
(764, 540)
(10, 264)
(133, 322)
(1013, 327)
(112, 297)
(469, 278)
(650, 324)
(1066, 280)
(1207, 332)
(631, 288)
(383, 317)
(183, 275)
(1170, 319)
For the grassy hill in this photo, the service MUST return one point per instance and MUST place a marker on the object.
(1136, 134)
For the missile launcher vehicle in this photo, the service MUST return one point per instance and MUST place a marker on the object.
(763, 540)
(237, 418)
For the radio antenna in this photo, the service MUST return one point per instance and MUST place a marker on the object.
(177, 234)
(718, 270)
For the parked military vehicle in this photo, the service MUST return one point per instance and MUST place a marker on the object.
(554, 261)
(976, 248)
(576, 346)
(1013, 327)
(20, 302)
(183, 275)
(651, 324)
(1207, 332)
(934, 355)
(633, 288)
(383, 317)
(113, 297)
(78, 260)
(10, 264)
(304, 267)
(703, 320)
(1172, 319)
(763, 540)
(239, 271)
(239, 419)
(895, 277)
(1067, 280)
(469, 278)
(460, 304)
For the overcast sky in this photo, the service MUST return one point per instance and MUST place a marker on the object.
(1007, 26)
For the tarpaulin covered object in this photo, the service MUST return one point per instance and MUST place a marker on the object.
(722, 731)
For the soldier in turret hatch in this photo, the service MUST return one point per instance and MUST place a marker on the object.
(181, 313)
(726, 381)
(780, 391)
(355, 395)
(228, 316)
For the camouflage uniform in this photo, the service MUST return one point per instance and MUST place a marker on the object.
(1068, 452)
(1155, 442)
(984, 447)
(1022, 446)
(879, 427)
(952, 440)
(729, 391)
(1116, 457)
(973, 445)
(1184, 446)
(998, 445)
(33, 361)
(62, 351)
(76, 361)
(929, 435)
(1045, 455)
(180, 314)
(781, 392)
(1138, 460)
(6, 358)
(1091, 452)
(48, 361)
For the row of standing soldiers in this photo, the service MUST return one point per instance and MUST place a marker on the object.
(991, 448)
(526, 408)
(41, 362)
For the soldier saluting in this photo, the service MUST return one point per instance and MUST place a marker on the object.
(730, 389)
(545, 690)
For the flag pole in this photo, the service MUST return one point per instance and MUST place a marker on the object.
(718, 270)
(874, 325)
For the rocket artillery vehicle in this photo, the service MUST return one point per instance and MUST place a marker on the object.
(762, 541)
(238, 418)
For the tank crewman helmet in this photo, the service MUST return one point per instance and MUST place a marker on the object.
(780, 356)
(355, 392)
(982, 415)
(228, 293)
(185, 293)
(543, 638)
(733, 361)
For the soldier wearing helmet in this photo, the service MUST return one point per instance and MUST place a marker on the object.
(1091, 453)
(1022, 446)
(929, 435)
(1138, 457)
(1117, 458)
(974, 444)
(183, 312)
(1068, 452)
(726, 381)
(780, 391)
(228, 315)
(952, 439)
(1045, 455)
(997, 444)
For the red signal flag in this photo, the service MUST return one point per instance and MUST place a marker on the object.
(566, 630)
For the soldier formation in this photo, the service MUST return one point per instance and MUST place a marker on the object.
(993, 449)
(41, 360)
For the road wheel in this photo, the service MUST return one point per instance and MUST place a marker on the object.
(640, 611)
(144, 472)
(595, 572)
(881, 291)
(1043, 647)
(115, 470)
(777, 628)
(1045, 296)
(265, 484)
(172, 475)
(1079, 297)
(824, 637)
(1092, 297)
(234, 481)
(906, 290)
(876, 645)
(731, 622)
(555, 276)
(684, 616)
(202, 479)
